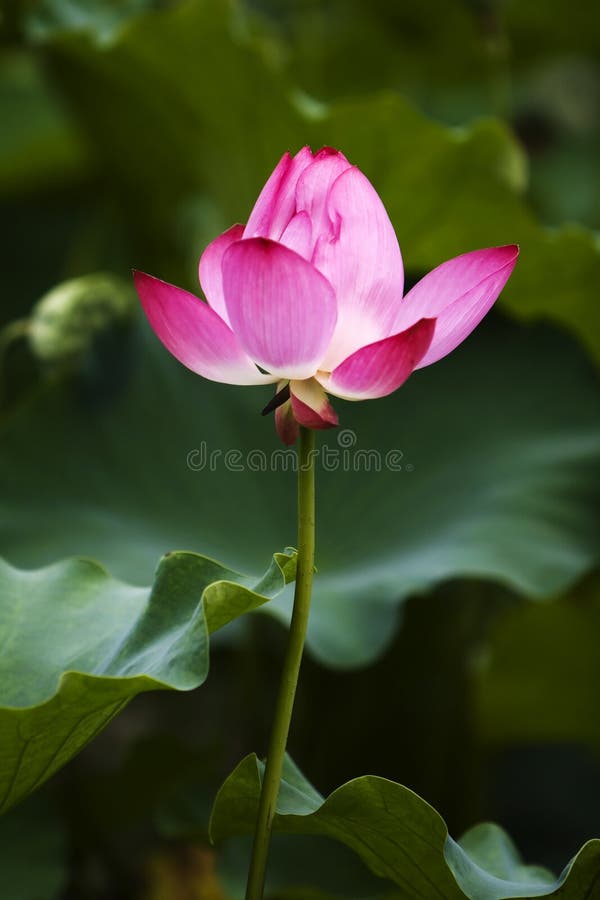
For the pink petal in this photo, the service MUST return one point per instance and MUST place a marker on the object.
(209, 270)
(458, 294)
(314, 185)
(363, 263)
(282, 309)
(378, 369)
(285, 423)
(310, 405)
(195, 334)
(276, 203)
(298, 235)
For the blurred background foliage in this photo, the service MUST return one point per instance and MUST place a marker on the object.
(131, 134)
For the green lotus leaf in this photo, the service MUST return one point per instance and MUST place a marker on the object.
(401, 838)
(78, 645)
(554, 694)
(38, 144)
(467, 470)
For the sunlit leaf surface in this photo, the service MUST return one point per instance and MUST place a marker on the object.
(77, 646)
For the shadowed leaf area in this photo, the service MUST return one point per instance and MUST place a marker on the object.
(401, 838)
(465, 471)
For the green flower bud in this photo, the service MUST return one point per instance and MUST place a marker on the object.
(66, 321)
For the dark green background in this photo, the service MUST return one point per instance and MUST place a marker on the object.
(456, 622)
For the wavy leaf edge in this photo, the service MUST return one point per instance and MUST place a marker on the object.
(471, 879)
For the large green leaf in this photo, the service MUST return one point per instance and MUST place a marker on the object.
(173, 73)
(401, 838)
(38, 144)
(101, 18)
(540, 678)
(78, 645)
(499, 445)
(335, 872)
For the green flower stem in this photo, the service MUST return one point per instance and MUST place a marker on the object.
(291, 665)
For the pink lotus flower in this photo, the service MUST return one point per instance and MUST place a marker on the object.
(309, 294)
